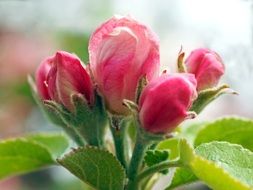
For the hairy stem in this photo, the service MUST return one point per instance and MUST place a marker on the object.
(118, 130)
(156, 168)
(136, 161)
(133, 185)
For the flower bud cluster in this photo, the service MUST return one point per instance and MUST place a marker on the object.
(122, 52)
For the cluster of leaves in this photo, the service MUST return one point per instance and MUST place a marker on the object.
(218, 153)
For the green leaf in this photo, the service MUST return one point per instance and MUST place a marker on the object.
(234, 130)
(231, 129)
(56, 143)
(98, 168)
(19, 156)
(22, 155)
(153, 157)
(234, 159)
(220, 165)
(171, 145)
(187, 153)
(187, 131)
(182, 176)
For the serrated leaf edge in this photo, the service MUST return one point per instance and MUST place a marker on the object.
(79, 149)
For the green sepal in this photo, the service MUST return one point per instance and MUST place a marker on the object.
(143, 81)
(180, 62)
(89, 121)
(207, 96)
(132, 106)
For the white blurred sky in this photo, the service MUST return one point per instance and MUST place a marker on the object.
(222, 25)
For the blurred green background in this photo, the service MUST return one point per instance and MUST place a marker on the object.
(31, 30)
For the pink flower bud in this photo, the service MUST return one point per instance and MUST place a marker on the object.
(207, 67)
(165, 101)
(121, 52)
(60, 76)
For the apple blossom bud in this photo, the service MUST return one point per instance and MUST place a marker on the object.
(207, 67)
(165, 101)
(41, 78)
(62, 75)
(121, 52)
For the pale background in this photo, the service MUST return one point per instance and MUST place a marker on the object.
(31, 30)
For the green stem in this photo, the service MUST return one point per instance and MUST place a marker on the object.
(156, 168)
(133, 184)
(136, 161)
(119, 134)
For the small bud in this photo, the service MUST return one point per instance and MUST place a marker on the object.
(165, 101)
(122, 51)
(62, 75)
(207, 67)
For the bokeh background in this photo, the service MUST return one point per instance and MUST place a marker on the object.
(31, 30)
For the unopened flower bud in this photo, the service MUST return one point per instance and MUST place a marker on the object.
(62, 75)
(165, 101)
(207, 67)
(121, 52)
